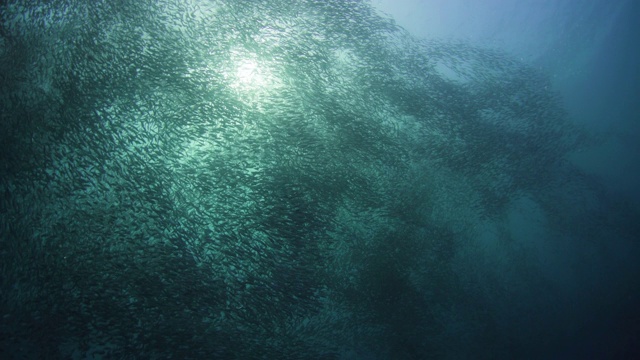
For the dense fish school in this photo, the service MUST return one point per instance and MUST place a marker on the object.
(265, 180)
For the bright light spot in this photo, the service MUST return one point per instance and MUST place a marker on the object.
(249, 75)
(253, 78)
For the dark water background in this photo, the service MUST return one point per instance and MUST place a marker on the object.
(305, 180)
(589, 49)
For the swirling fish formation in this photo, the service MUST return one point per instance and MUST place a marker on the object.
(256, 180)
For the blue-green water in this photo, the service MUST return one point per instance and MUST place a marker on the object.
(307, 180)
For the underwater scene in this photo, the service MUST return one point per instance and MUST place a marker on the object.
(318, 179)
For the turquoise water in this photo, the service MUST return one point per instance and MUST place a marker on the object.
(308, 180)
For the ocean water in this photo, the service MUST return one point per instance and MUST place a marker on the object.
(319, 179)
